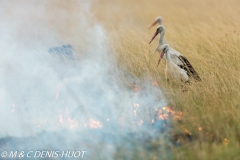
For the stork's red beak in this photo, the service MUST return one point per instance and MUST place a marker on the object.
(154, 23)
(161, 56)
(155, 34)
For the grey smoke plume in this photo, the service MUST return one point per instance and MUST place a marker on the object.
(59, 81)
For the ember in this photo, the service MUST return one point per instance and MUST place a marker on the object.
(135, 112)
(94, 124)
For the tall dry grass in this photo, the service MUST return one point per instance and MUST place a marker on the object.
(207, 32)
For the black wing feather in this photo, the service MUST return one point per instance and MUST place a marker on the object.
(189, 68)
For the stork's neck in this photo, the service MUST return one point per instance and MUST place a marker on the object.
(168, 56)
(161, 39)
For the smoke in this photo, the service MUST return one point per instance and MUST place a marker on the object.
(59, 85)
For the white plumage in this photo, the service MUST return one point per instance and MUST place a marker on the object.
(177, 58)
(172, 70)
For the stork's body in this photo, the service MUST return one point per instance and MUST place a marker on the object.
(172, 70)
(176, 57)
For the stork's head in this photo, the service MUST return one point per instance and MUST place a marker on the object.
(160, 29)
(158, 20)
(165, 49)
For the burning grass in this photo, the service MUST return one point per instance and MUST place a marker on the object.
(207, 33)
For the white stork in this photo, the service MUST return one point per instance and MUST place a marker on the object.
(172, 70)
(158, 20)
(176, 57)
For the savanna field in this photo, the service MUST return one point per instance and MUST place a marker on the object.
(207, 33)
(82, 76)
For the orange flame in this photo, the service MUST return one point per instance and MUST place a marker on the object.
(72, 123)
(135, 104)
(135, 112)
(94, 124)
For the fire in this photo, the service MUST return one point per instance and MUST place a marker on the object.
(71, 123)
(226, 141)
(162, 115)
(94, 124)
(135, 104)
(167, 111)
(177, 117)
(135, 112)
(66, 120)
